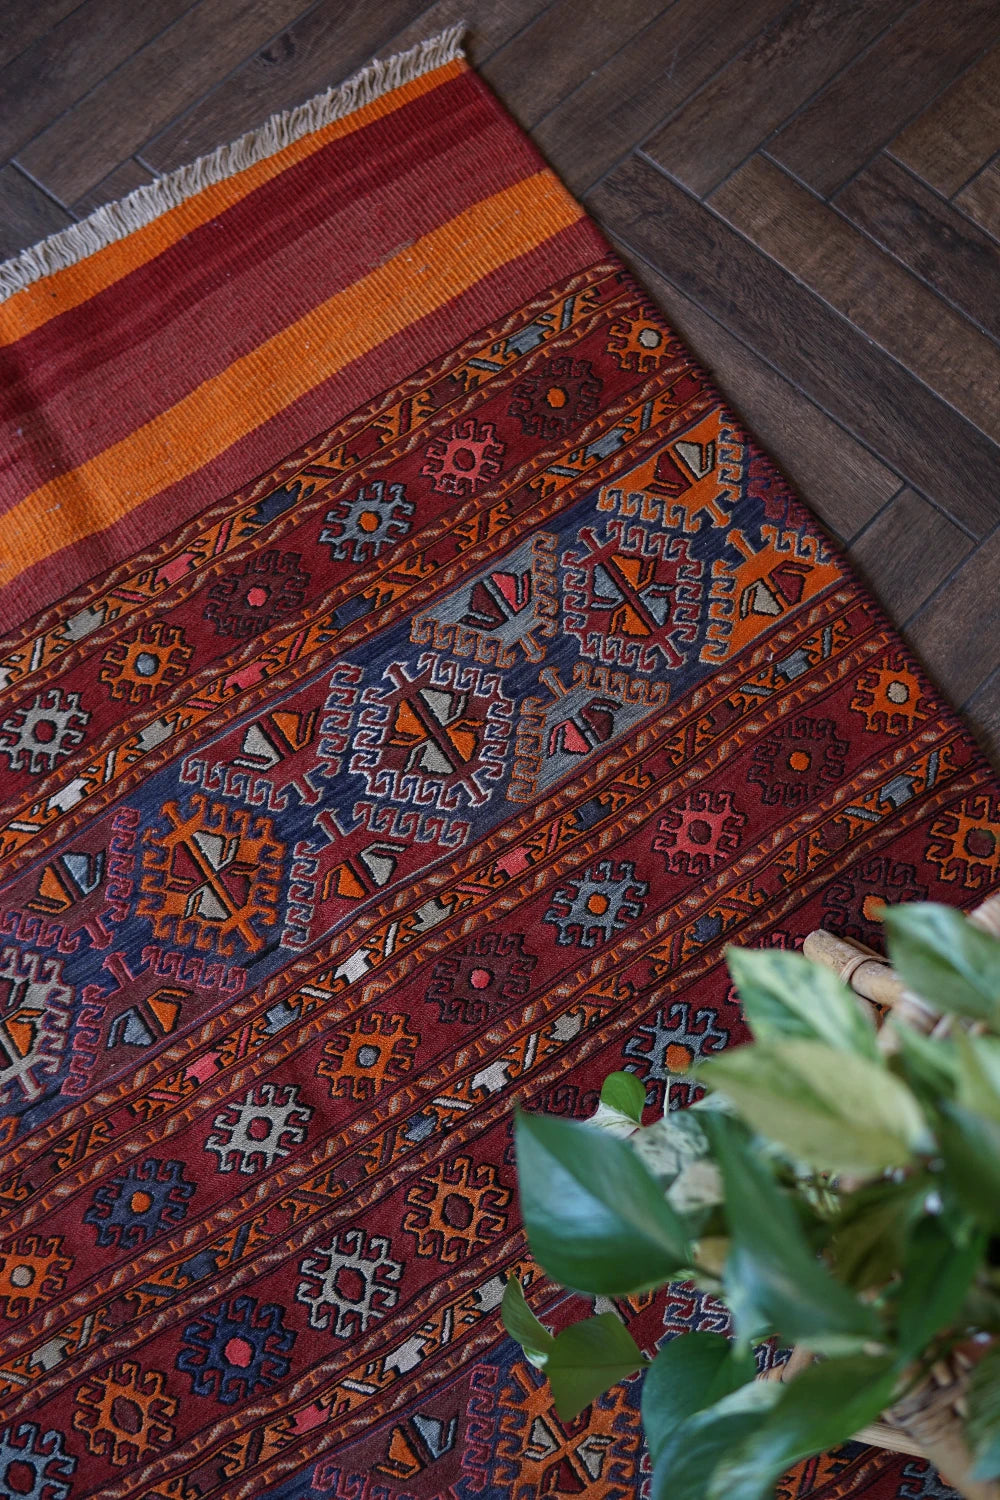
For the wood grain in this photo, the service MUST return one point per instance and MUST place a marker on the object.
(904, 317)
(164, 77)
(118, 184)
(26, 213)
(929, 236)
(950, 140)
(908, 550)
(620, 102)
(981, 199)
(956, 631)
(877, 95)
(26, 20)
(737, 109)
(983, 712)
(844, 483)
(919, 435)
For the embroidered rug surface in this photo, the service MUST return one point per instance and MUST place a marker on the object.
(412, 676)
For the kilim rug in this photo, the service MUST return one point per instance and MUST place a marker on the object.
(413, 675)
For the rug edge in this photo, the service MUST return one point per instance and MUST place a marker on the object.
(116, 220)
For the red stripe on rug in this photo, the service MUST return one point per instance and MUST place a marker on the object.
(571, 250)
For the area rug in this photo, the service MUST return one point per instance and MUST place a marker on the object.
(413, 676)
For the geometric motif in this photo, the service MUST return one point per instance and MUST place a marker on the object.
(33, 1467)
(363, 1058)
(639, 341)
(361, 526)
(132, 1208)
(556, 397)
(597, 904)
(236, 1350)
(35, 1011)
(889, 697)
(351, 1278)
(853, 901)
(269, 586)
(634, 599)
(31, 1272)
(125, 1414)
(700, 832)
(669, 1044)
(965, 842)
(211, 873)
(504, 615)
(796, 763)
(251, 1135)
(464, 461)
(140, 666)
(456, 1209)
(38, 736)
(480, 976)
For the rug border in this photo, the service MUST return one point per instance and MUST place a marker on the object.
(117, 220)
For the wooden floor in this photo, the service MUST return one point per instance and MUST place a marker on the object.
(811, 191)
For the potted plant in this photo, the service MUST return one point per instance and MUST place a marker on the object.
(838, 1186)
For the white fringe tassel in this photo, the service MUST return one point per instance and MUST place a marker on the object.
(114, 221)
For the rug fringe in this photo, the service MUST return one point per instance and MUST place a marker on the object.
(114, 221)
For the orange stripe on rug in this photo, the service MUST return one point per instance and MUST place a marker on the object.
(27, 310)
(264, 382)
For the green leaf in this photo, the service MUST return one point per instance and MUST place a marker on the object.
(596, 1217)
(835, 1110)
(982, 1425)
(522, 1325)
(821, 1407)
(970, 1146)
(785, 995)
(937, 1274)
(689, 1372)
(978, 1073)
(951, 964)
(587, 1358)
(930, 1068)
(693, 1451)
(625, 1093)
(868, 1236)
(773, 1281)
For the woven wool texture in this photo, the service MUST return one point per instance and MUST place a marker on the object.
(412, 676)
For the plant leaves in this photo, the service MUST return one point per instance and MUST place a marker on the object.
(693, 1451)
(937, 1274)
(978, 1073)
(833, 1109)
(868, 1236)
(785, 995)
(625, 1093)
(982, 1425)
(821, 1407)
(690, 1372)
(947, 961)
(596, 1217)
(522, 1325)
(587, 1358)
(773, 1281)
(970, 1145)
(930, 1068)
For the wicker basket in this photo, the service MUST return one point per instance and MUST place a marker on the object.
(927, 1422)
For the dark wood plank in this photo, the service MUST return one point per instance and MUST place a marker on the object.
(26, 213)
(879, 296)
(490, 26)
(156, 83)
(737, 109)
(840, 480)
(918, 434)
(536, 68)
(627, 96)
(981, 199)
(956, 632)
(62, 66)
(960, 131)
(983, 713)
(26, 20)
(320, 48)
(906, 552)
(118, 184)
(873, 99)
(923, 231)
